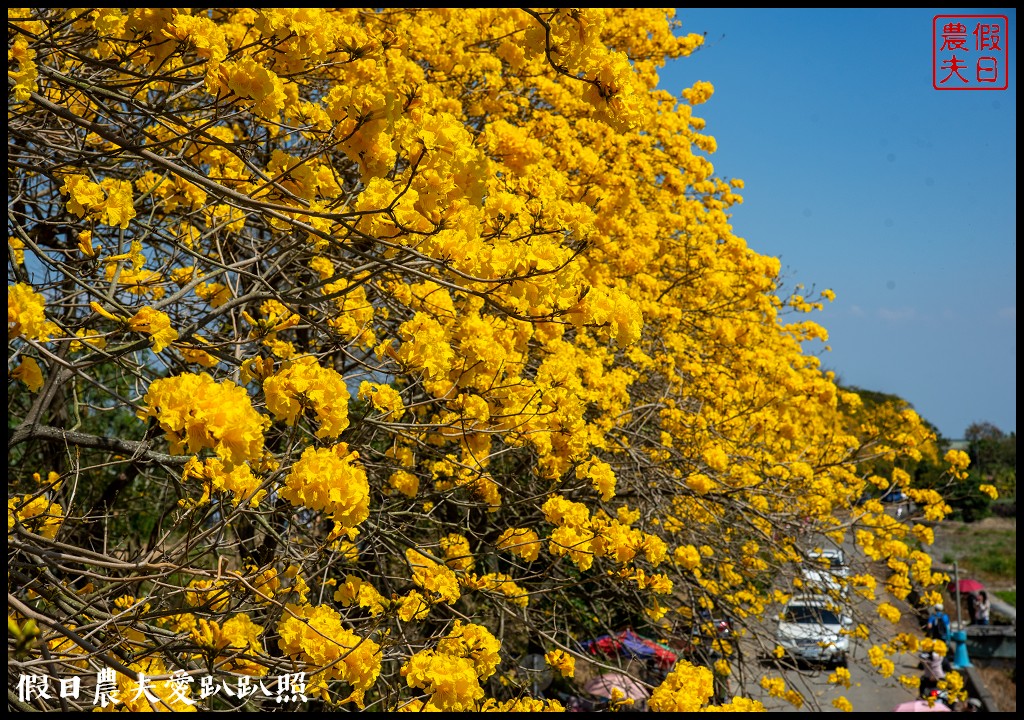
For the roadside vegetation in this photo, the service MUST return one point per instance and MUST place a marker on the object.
(981, 534)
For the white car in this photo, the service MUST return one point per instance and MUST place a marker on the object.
(814, 629)
(825, 570)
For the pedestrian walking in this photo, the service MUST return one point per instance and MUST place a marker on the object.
(938, 624)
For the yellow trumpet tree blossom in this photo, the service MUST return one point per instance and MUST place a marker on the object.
(423, 338)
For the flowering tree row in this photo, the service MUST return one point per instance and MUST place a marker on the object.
(387, 345)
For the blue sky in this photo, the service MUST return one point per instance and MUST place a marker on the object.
(862, 178)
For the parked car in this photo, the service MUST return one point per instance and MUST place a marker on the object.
(814, 629)
(826, 570)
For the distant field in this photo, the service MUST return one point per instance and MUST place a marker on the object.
(985, 550)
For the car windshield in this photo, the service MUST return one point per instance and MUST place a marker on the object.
(810, 615)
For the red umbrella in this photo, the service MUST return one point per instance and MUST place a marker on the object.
(921, 706)
(966, 585)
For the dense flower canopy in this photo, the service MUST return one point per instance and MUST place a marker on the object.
(381, 345)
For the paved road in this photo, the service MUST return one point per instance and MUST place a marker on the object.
(868, 691)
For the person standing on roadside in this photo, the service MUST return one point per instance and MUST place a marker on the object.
(972, 606)
(932, 671)
(938, 624)
(982, 609)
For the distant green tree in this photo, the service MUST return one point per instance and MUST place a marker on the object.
(968, 502)
(993, 456)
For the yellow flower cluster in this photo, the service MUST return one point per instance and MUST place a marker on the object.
(384, 398)
(687, 557)
(17, 250)
(404, 482)
(29, 373)
(435, 578)
(352, 314)
(197, 355)
(303, 383)
(196, 412)
(523, 542)
(36, 513)
(497, 582)
(276, 318)
(52, 482)
(574, 541)
(237, 633)
(613, 312)
(958, 462)
(200, 33)
(776, 687)
(840, 676)
(451, 682)
(561, 661)
(954, 685)
(65, 650)
(700, 92)
(109, 202)
(307, 179)
(255, 85)
(413, 607)
(882, 664)
(214, 293)
(26, 314)
(525, 704)
(356, 591)
(600, 475)
(425, 347)
(266, 583)
(475, 642)
(451, 674)
(889, 612)
(658, 583)
(314, 635)
(686, 689)
(989, 490)
(583, 538)
(457, 553)
(331, 480)
(842, 704)
(27, 73)
(155, 324)
(236, 479)
(299, 587)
